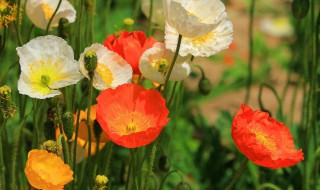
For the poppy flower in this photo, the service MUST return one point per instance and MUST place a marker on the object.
(204, 46)
(41, 11)
(194, 18)
(130, 46)
(47, 171)
(131, 115)
(264, 140)
(156, 61)
(47, 64)
(111, 71)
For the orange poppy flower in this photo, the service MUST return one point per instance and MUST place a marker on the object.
(131, 115)
(130, 46)
(47, 171)
(264, 140)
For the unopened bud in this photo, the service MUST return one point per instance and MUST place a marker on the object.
(97, 129)
(68, 125)
(164, 163)
(205, 86)
(63, 28)
(52, 147)
(90, 61)
(300, 8)
(128, 24)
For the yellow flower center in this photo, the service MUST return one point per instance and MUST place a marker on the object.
(105, 73)
(127, 123)
(47, 10)
(43, 74)
(161, 65)
(262, 138)
(204, 38)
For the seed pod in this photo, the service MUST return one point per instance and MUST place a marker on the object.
(90, 62)
(68, 124)
(52, 147)
(300, 8)
(205, 86)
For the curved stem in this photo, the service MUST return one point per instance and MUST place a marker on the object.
(54, 14)
(167, 175)
(172, 65)
(18, 23)
(172, 94)
(252, 5)
(30, 31)
(238, 174)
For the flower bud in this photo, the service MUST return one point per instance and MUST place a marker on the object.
(7, 107)
(63, 28)
(52, 147)
(101, 182)
(300, 8)
(68, 125)
(97, 129)
(128, 24)
(183, 186)
(205, 86)
(164, 163)
(90, 62)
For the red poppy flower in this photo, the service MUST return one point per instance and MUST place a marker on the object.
(130, 46)
(130, 115)
(264, 140)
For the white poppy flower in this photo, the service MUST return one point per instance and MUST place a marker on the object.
(277, 27)
(111, 71)
(157, 14)
(204, 46)
(47, 64)
(155, 62)
(194, 18)
(40, 12)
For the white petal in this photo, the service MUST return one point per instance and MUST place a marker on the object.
(35, 12)
(120, 70)
(210, 44)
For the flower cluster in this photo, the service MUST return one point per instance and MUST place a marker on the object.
(8, 13)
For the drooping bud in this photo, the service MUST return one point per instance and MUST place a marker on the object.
(52, 147)
(164, 163)
(63, 28)
(205, 86)
(68, 125)
(97, 129)
(90, 62)
(128, 24)
(101, 182)
(7, 107)
(300, 8)
(183, 186)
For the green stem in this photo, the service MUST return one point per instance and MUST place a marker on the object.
(269, 186)
(172, 65)
(150, 18)
(106, 170)
(131, 171)
(89, 132)
(54, 14)
(2, 165)
(78, 37)
(277, 96)
(65, 150)
(18, 23)
(30, 31)
(250, 62)
(150, 168)
(172, 94)
(238, 174)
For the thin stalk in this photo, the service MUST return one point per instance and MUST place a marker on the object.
(293, 101)
(30, 31)
(2, 165)
(89, 131)
(150, 168)
(131, 171)
(172, 94)
(172, 65)
(136, 9)
(18, 23)
(54, 14)
(106, 170)
(3, 41)
(167, 175)
(238, 174)
(150, 18)
(78, 37)
(251, 51)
